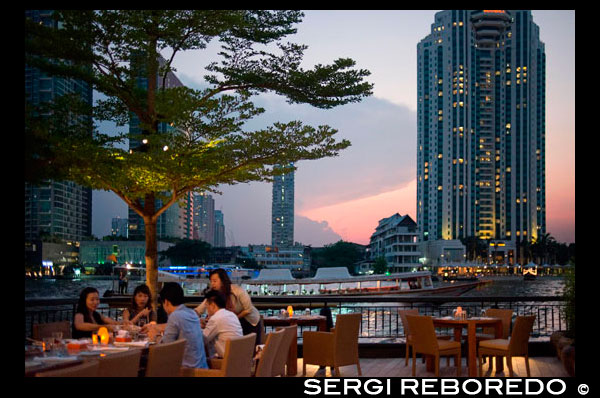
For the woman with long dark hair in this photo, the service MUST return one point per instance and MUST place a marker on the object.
(238, 302)
(86, 319)
(140, 312)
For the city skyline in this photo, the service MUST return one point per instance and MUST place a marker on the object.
(345, 197)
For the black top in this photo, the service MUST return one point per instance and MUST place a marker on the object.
(80, 334)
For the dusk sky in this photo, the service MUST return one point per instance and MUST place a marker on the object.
(344, 197)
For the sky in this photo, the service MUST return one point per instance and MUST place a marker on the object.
(344, 197)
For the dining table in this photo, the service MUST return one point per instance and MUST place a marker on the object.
(301, 320)
(37, 361)
(471, 324)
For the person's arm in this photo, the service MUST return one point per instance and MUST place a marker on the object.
(171, 330)
(210, 331)
(140, 314)
(245, 302)
(201, 308)
(84, 326)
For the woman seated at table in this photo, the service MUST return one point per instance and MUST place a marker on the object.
(87, 320)
(238, 302)
(140, 312)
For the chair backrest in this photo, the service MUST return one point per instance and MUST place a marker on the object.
(291, 332)
(237, 358)
(345, 340)
(423, 334)
(519, 339)
(86, 369)
(122, 364)
(265, 364)
(505, 315)
(164, 360)
(403, 314)
(41, 330)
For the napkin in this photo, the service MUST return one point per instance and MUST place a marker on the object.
(139, 344)
(56, 359)
(107, 349)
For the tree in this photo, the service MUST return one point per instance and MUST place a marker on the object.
(380, 266)
(188, 252)
(205, 143)
(339, 254)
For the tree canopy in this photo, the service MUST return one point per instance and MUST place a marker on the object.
(127, 55)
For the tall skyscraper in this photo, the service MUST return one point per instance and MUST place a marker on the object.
(177, 220)
(59, 208)
(120, 227)
(219, 229)
(481, 127)
(282, 211)
(204, 218)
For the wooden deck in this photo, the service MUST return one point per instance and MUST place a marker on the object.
(394, 367)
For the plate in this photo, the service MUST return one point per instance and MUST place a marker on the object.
(89, 353)
(51, 360)
(32, 363)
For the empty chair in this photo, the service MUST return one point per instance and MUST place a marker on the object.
(517, 345)
(122, 364)
(41, 330)
(505, 315)
(336, 348)
(291, 333)
(407, 335)
(86, 369)
(236, 362)
(164, 360)
(264, 368)
(424, 341)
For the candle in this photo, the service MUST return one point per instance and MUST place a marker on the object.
(290, 310)
(104, 336)
(94, 338)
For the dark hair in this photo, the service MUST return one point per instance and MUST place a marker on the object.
(225, 281)
(143, 288)
(217, 297)
(82, 307)
(173, 292)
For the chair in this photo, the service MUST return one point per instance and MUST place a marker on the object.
(291, 333)
(517, 345)
(336, 348)
(164, 360)
(122, 364)
(407, 334)
(236, 362)
(86, 369)
(41, 330)
(425, 341)
(264, 368)
(489, 333)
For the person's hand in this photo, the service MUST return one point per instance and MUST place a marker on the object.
(203, 322)
(148, 327)
(144, 312)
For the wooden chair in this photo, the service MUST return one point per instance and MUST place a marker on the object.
(164, 360)
(86, 369)
(489, 333)
(407, 334)
(426, 342)
(517, 345)
(237, 360)
(122, 364)
(336, 348)
(264, 368)
(41, 330)
(279, 363)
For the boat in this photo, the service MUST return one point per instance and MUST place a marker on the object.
(530, 272)
(337, 281)
(140, 272)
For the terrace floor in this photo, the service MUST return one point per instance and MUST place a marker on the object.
(394, 367)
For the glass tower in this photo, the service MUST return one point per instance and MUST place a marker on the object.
(481, 127)
(282, 211)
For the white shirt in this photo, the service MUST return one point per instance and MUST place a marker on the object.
(221, 326)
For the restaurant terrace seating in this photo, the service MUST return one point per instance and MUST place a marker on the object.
(517, 345)
(236, 361)
(264, 367)
(41, 330)
(291, 332)
(336, 348)
(164, 360)
(122, 364)
(86, 369)
(489, 333)
(407, 334)
(425, 342)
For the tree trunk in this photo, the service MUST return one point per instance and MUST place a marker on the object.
(151, 255)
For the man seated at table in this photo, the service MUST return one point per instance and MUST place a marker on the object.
(222, 324)
(183, 323)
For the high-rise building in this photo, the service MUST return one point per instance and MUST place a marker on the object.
(219, 229)
(120, 227)
(177, 220)
(282, 211)
(59, 208)
(481, 127)
(204, 218)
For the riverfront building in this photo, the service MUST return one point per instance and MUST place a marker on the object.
(62, 209)
(395, 239)
(282, 211)
(481, 127)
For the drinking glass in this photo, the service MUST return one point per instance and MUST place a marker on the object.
(57, 336)
(48, 344)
